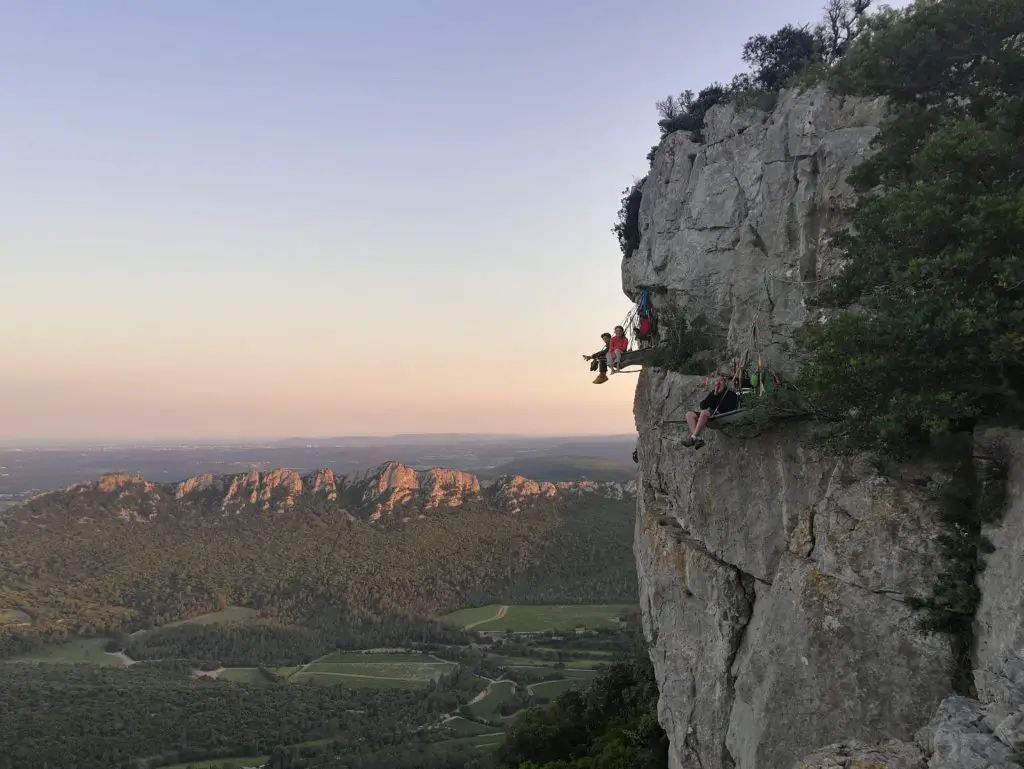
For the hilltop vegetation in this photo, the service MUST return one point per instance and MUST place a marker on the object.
(935, 256)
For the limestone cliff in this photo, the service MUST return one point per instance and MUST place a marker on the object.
(773, 578)
(391, 489)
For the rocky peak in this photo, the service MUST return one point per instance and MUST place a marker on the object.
(324, 480)
(192, 485)
(110, 482)
(511, 492)
(391, 488)
(394, 485)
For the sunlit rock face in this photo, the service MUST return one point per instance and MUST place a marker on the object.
(773, 578)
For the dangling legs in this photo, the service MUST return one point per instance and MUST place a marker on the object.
(696, 423)
(614, 359)
(601, 364)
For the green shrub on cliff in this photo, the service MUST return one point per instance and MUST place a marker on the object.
(612, 724)
(627, 227)
(930, 333)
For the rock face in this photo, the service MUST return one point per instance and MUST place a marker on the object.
(510, 492)
(395, 485)
(736, 229)
(773, 577)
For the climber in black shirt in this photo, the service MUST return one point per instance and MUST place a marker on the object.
(721, 400)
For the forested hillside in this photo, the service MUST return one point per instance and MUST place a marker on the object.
(86, 562)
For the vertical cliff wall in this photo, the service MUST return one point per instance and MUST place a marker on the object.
(773, 578)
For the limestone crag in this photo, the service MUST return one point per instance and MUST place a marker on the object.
(511, 492)
(391, 489)
(110, 482)
(735, 229)
(394, 485)
(194, 484)
(610, 489)
(774, 578)
(324, 480)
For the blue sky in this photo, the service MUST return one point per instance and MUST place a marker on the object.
(253, 218)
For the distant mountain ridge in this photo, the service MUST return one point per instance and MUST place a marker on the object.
(390, 489)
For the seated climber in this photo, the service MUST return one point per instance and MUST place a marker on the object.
(618, 345)
(644, 332)
(721, 400)
(599, 360)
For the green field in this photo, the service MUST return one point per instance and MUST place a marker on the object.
(535, 619)
(83, 650)
(530, 662)
(230, 614)
(551, 689)
(470, 617)
(497, 695)
(402, 671)
(463, 727)
(582, 673)
(335, 658)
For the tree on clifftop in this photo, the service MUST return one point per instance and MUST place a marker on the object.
(931, 330)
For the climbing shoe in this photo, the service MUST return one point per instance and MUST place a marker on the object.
(601, 379)
(688, 441)
(698, 443)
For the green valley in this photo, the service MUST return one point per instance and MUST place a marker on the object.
(397, 616)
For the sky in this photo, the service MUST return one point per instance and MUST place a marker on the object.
(255, 218)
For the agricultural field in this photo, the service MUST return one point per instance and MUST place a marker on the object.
(536, 662)
(548, 690)
(88, 650)
(462, 727)
(218, 763)
(405, 671)
(471, 618)
(537, 619)
(497, 695)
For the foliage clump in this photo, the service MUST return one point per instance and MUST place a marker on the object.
(781, 403)
(792, 55)
(686, 112)
(627, 227)
(613, 723)
(684, 344)
(974, 496)
(929, 334)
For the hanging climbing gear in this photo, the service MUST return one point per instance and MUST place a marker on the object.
(641, 328)
(641, 324)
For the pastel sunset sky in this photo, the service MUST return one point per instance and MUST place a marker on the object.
(243, 217)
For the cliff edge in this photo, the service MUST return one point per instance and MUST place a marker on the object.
(773, 578)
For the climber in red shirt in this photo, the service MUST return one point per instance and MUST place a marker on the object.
(619, 344)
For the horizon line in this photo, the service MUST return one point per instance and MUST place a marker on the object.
(98, 440)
